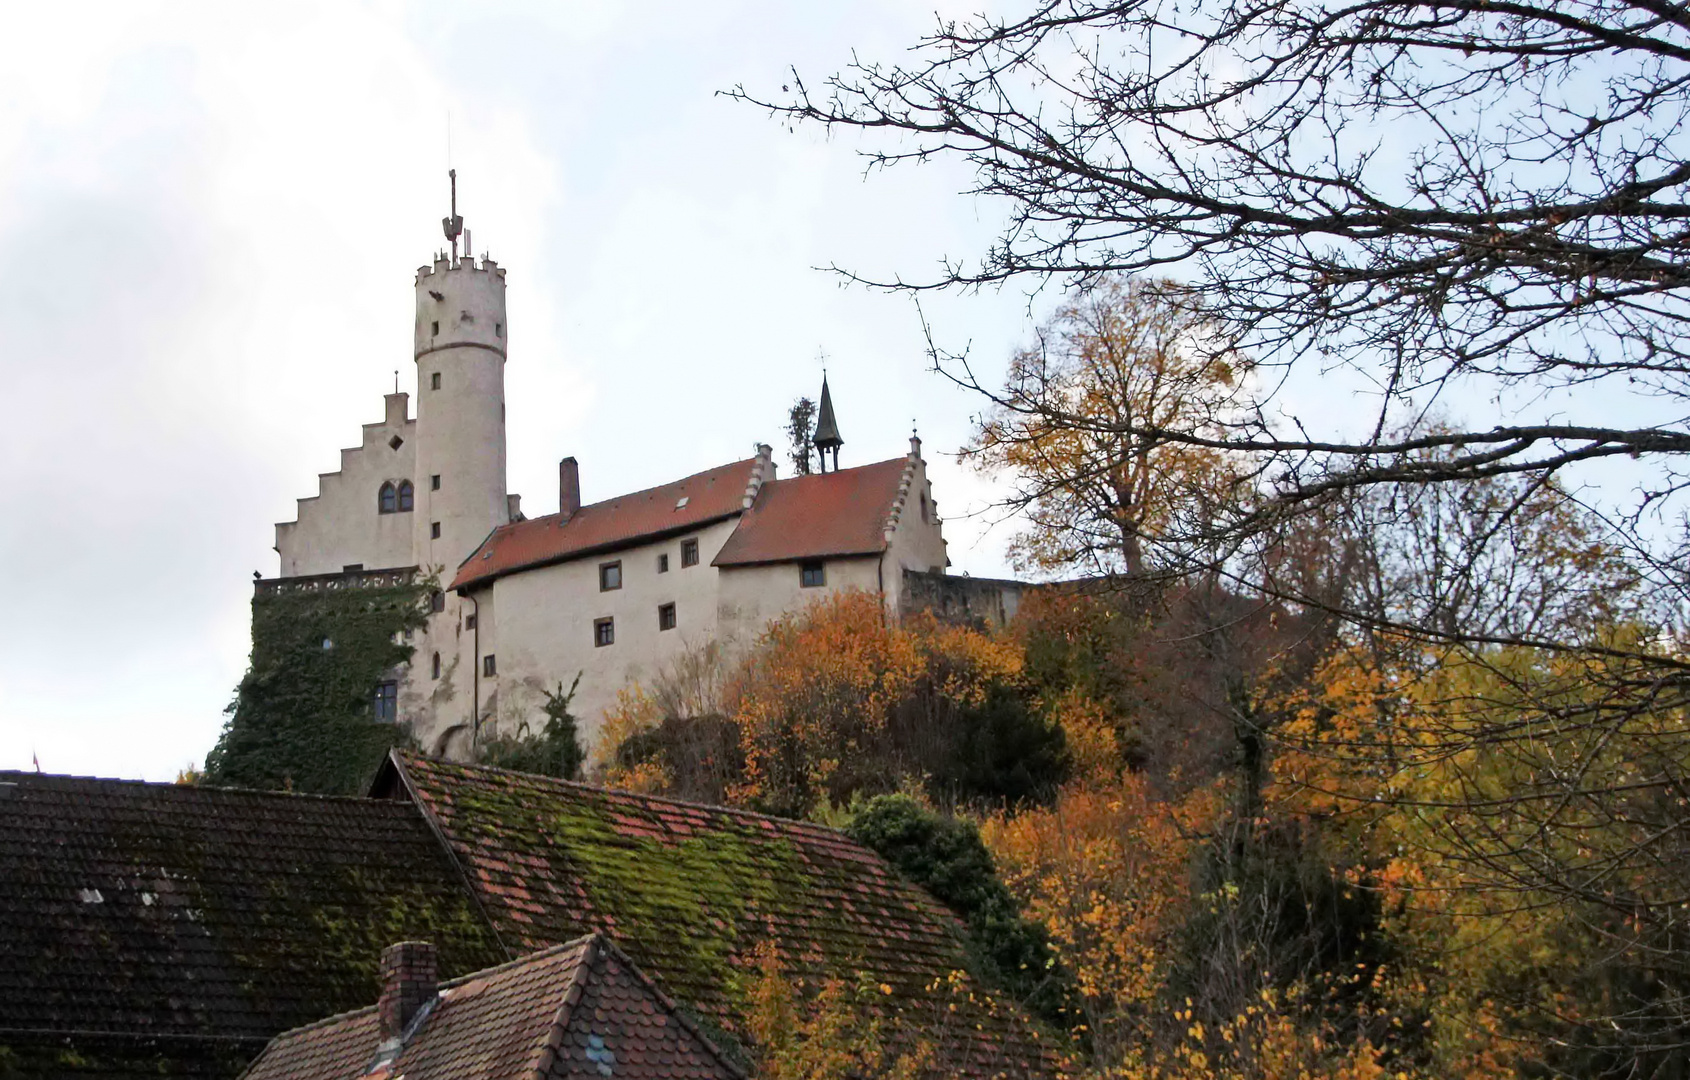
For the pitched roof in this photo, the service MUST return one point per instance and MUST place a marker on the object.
(190, 924)
(565, 1011)
(816, 516)
(710, 496)
(690, 891)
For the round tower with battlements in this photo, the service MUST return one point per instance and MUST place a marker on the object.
(460, 341)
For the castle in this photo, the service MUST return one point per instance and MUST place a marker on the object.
(612, 591)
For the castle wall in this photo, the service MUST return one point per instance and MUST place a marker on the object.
(342, 524)
(544, 631)
(752, 596)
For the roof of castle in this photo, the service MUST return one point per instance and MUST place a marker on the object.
(708, 496)
(156, 925)
(692, 891)
(579, 1009)
(817, 516)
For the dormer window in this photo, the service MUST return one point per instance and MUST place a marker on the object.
(388, 501)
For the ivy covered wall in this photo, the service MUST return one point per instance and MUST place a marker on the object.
(303, 718)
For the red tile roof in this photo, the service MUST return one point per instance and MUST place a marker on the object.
(690, 891)
(812, 517)
(579, 1009)
(711, 496)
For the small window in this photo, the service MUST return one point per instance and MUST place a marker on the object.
(387, 701)
(434, 667)
(407, 496)
(663, 563)
(437, 601)
(469, 621)
(604, 632)
(666, 617)
(924, 517)
(689, 552)
(488, 666)
(434, 530)
(812, 574)
(388, 501)
(610, 576)
(499, 329)
(352, 568)
(434, 482)
(434, 380)
(396, 442)
(435, 328)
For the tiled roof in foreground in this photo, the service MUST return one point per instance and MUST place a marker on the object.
(578, 1010)
(690, 891)
(163, 929)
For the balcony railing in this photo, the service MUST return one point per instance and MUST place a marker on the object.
(346, 579)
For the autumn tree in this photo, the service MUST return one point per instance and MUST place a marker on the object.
(1126, 356)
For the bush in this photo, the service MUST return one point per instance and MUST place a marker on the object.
(555, 751)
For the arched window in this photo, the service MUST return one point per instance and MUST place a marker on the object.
(406, 496)
(389, 499)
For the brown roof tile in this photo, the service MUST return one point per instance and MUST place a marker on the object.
(690, 891)
(812, 517)
(711, 496)
(580, 1009)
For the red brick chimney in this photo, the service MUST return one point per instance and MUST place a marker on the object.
(409, 979)
(568, 487)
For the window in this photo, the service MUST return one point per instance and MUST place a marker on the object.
(666, 617)
(604, 632)
(469, 621)
(434, 380)
(663, 563)
(610, 576)
(689, 552)
(407, 496)
(435, 329)
(388, 500)
(434, 667)
(499, 329)
(811, 574)
(396, 442)
(434, 482)
(352, 568)
(387, 701)
(488, 667)
(434, 530)
(924, 508)
(437, 601)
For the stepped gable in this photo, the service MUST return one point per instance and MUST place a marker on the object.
(691, 891)
(643, 515)
(578, 1010)
(167, 929)
(818, 516)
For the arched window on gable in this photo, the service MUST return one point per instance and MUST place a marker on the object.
(407, 496)
(388, 501)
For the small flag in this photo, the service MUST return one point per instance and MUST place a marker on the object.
(37, 759)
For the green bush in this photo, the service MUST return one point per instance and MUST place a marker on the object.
(555, 751)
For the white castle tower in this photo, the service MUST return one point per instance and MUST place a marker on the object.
(459, 347)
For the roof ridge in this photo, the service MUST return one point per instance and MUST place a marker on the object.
(674, 1007)
(263, 793)
(646, 490)
(546, 1055)
(599, 789)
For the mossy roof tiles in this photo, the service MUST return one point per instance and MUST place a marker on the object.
(690, 891)
(180, 923)
(581, 1009)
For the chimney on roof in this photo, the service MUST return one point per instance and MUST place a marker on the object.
(568, 487)
(409, 981)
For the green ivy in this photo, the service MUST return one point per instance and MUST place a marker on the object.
(303, 718)
(554, 751)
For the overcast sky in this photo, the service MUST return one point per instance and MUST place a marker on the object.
(210, 218)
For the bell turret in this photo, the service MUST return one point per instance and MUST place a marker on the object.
(827, 430)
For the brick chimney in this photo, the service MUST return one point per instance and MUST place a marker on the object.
(568, 487)
(409, 978)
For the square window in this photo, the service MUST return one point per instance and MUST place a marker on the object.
(811, 575)
(435, 329)
(434, 380)
(666, 617)
(610, 576)
(396, 442)
(469, 621)
(663, 563)
(604, 632)
(689, 552)
(387, 701)
(434, 482)
(434, 530)
(488, 666)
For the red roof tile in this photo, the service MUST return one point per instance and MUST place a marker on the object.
(580, 1009)
(812, 517)
(710, 496)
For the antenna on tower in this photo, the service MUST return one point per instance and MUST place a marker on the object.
(454, 224)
